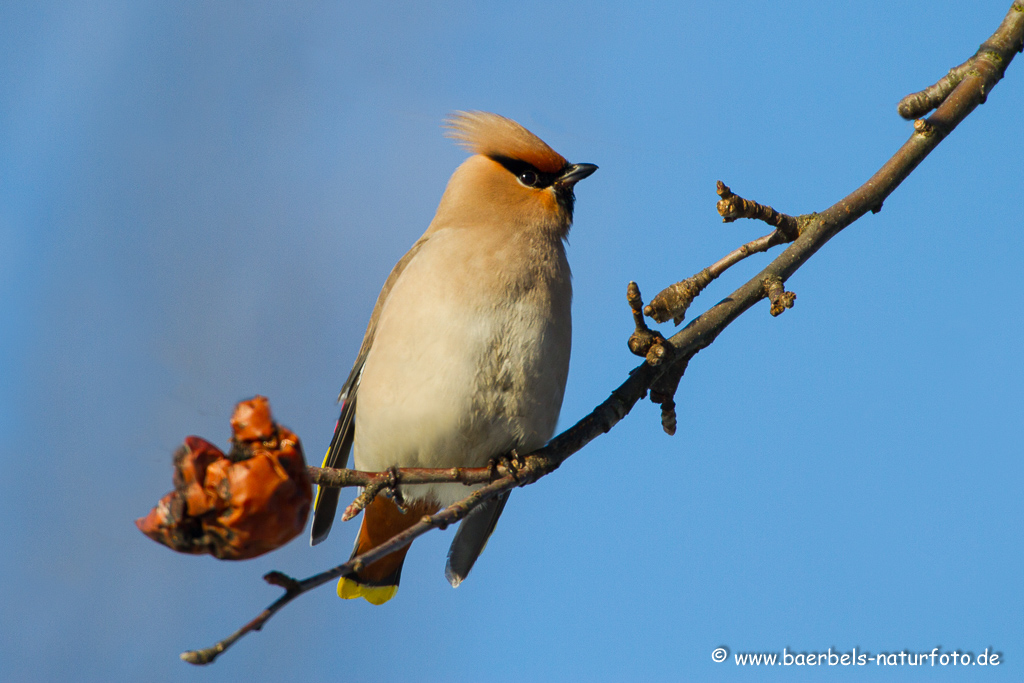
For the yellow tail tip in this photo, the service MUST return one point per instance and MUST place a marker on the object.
(375, 595)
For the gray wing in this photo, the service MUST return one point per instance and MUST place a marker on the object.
(326, 504)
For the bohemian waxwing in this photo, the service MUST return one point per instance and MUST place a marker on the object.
(467, 351)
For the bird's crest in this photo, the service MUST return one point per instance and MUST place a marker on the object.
(495, 136)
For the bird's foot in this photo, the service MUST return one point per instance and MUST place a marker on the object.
(393, 492)
(511, 461)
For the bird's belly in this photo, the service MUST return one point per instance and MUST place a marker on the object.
(455, 387)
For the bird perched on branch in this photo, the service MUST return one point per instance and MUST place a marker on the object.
(467, 351)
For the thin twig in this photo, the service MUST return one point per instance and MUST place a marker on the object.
(644, 341)
(293, 588)
(732, 206)
(920, 103)
(672, 302)
(533, 467)
(344, 478)
(365, 497)
(822, 227)
(375, 482)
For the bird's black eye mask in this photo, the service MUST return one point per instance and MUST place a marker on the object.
(527, 174)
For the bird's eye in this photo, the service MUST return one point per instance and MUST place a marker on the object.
(528, 178)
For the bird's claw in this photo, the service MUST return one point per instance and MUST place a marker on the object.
(511, 461)
(392, 489)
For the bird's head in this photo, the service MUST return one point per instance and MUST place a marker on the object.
(513, 178)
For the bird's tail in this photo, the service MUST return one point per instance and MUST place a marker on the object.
(471, 538)
(377, 582)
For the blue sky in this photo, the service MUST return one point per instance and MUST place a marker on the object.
(199, 202)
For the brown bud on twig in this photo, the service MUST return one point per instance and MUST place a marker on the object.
(923, 127)
(777, 294)
(276, 578)
(657, 354)
(671, 303)
(732, 206)
(920, 103)
(997, 51)
(668, 416)
(663, 392)
(643, 340)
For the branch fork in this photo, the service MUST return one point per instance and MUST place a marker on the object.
(386, 482)
(673, 301)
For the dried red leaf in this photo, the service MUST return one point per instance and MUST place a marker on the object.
(240, 505)
(252, 421)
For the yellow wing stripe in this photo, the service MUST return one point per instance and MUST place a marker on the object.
(320, 489)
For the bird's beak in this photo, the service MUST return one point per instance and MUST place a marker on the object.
(573, 174)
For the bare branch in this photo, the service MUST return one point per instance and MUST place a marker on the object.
(533, 467)
(344, 478)
(822, 227)
(814, 231)
(998, 49)
(673, 301)
(294, 588)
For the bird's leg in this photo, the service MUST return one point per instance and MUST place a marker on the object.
(392, 489)
(511, 461)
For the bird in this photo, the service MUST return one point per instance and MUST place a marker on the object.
(466, 354)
